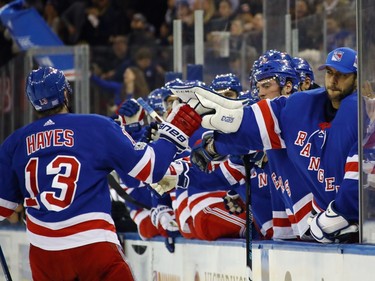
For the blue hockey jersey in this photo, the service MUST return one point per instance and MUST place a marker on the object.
(317, 148)
(57, 168)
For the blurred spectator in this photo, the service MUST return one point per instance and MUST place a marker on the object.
(165, 35)
(51, 17)
(100, 23)
(72, 20)
(185, 14)
(255, 35)
(331, 6)
(245, 14)
(94, 23)
(125, 10)
(209, 11)
(302, 9)
(170, 14)
(224, 16)
(254, 6)
(141, 35)
(112, 66)
(134, 85)
(164, 50)
(153, 72)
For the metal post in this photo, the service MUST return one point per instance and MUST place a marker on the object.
(198, 37)
(177, 46)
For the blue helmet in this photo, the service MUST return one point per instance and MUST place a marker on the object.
(157, 98)
(280, 69)
(275, 55)
(249, 95)
(252, 81)
(303, 68)
(226, 81)
(175, 82)
(45, 88)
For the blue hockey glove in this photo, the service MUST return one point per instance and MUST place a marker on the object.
(131, 114)
(129, 108)
(203, 154)
(233, 202)
(331, 227)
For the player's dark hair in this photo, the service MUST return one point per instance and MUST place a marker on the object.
(51, 111)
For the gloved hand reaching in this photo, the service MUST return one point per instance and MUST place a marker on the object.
(176, 177)
(203, 154)
(131, 114)
(331, 227)
(163, 218)
(218, 112)
(150, 133)
(181, 123)
(233, 202)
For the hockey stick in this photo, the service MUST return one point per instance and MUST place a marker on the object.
(4, 265)
(122, 193)
(150, 111)
(249, 217)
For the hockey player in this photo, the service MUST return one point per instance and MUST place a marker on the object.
(200, 211)
(58, 166)
(318, 128)
(291, 201)
(306, 74)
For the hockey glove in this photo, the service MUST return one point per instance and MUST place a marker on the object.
(163, 218)
(233, 202)
(218, 112)
(187, 94)
(176, 177)
(331, 227)
(203, 155)
(150, 133)
(131, 115)
(181, 123)
(129, 108)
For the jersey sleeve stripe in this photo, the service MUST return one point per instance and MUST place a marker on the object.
(267, 123)
(144, 168)
(351, 168)
(233, 173)
(7, 208)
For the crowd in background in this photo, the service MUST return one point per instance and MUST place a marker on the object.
(131, 41)
(134, 25)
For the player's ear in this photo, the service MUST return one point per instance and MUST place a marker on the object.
(307, 83)
(287, 89)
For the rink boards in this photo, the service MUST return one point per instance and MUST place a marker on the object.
(222, 260)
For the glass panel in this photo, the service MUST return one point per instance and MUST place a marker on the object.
(367, 86)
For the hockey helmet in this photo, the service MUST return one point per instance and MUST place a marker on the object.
(280, 69)
(303, 68)
(156, 99)
(45, 88)
(227, 81)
